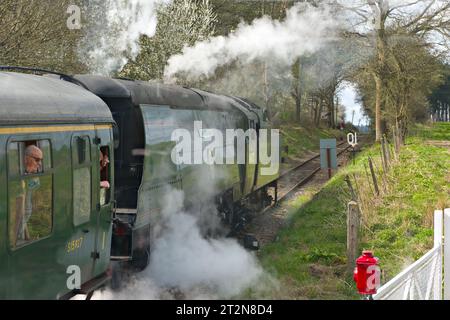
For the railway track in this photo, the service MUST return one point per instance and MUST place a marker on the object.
(265, 224)
(302, 173)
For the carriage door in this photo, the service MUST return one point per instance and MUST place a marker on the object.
(31, 220)
(82, 244)
(104, 197)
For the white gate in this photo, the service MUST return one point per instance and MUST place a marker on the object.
(423, 279)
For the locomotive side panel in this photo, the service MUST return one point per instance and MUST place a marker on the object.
(160, 173)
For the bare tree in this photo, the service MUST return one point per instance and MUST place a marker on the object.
(377, 21)
(181, 23)
(35, 33)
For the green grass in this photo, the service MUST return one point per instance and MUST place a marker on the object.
(309, 256)
(420, 184)
(439, 131)
(300, 140)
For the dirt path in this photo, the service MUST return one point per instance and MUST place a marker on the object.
(439, 143)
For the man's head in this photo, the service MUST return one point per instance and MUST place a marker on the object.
(33, 159)
(104, 160)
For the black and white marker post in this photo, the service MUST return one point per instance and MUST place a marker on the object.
(352, 139)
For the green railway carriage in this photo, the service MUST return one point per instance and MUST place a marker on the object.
(56, 219)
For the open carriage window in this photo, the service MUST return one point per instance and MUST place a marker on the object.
(29, 157)
(105, 173)
(30, 186)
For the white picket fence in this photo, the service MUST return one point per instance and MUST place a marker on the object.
(425, 279)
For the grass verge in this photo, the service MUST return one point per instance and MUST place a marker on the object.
(309, 256)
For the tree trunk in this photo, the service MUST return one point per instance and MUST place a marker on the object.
(319, 113)
(298, 106)
(332, 113)
(379, 72)
(297, 88)
(378, 96)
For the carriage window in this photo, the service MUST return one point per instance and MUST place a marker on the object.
(30, 185)
(105, 182)
(44, 145)
(81, 163)
(13, 159)
(29, 157)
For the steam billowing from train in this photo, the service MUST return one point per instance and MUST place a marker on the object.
(113, 30)
(305, 30)
(186, 264)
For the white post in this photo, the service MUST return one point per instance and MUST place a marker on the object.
(438, 228)
(447, 254)
(438, 233)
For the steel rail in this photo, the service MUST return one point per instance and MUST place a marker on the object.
(301, 182)
(307, 178)
(304, 163)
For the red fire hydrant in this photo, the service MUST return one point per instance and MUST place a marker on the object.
(367, 274)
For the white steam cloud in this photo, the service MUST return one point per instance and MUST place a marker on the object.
(183, 258)
(304, 30)
(184, 264)
(114, 28)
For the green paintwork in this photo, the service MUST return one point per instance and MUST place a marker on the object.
(160, 173)
(38, 269)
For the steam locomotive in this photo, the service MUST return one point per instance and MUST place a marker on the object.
(61, 230)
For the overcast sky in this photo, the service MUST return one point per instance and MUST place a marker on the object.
(347, 97)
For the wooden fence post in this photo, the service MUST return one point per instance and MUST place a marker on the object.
(352, 191)
(352, 235)
(396, 146)
(387, 151)
(368, 177)
(383, 154)
(374, 178)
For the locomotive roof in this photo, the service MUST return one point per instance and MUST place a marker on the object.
(142, 92)
(32, 99)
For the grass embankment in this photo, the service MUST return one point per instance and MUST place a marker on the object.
(302, 140)
(309, 255)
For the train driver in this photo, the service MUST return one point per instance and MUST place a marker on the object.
(104, 161)
(104, 171)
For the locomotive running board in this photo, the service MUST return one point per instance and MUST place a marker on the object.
(121, 258)
(126, 211)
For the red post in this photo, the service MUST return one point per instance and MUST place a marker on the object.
(329, 162)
